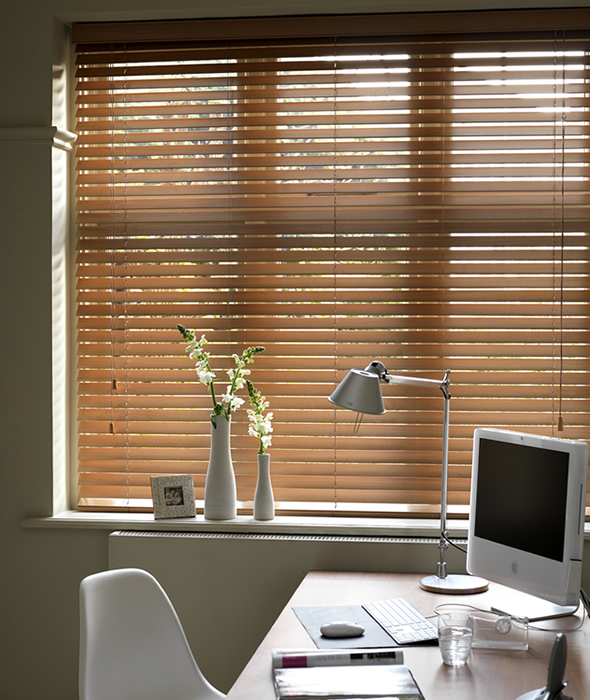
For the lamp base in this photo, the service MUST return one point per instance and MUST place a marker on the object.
(454, 584)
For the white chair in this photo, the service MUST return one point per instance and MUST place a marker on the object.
(132, 645)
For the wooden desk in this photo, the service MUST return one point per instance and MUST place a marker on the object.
(489, 675)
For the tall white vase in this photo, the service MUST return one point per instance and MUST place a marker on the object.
(264, 504)
(220, 484)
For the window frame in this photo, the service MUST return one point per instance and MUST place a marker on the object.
(411, 25)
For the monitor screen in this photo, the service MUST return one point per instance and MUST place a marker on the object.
(530, 485)
(526, 527)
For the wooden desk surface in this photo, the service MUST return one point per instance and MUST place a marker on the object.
(489, 675)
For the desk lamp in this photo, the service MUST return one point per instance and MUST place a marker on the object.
(360, 391)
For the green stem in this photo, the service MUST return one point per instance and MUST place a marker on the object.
(212, 392)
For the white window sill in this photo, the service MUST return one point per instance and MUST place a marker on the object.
(283, 524)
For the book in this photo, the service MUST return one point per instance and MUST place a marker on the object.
(345, 678)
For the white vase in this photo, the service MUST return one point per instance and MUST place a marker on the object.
(264, 504)
(220, 484)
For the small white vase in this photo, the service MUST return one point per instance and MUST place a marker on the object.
(220, 484)
(264, 504)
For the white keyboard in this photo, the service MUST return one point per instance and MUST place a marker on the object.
(402, 621)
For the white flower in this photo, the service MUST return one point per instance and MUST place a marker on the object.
(232, 401)
(206, 376)
(195, 347)
(266, 440)
(238, 379)
(259, 425)
(240, 382)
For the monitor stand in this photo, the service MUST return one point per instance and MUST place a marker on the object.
(517, 604)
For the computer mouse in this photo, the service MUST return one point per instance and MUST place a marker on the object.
(342, 629)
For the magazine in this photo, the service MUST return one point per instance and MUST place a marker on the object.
(346, 678)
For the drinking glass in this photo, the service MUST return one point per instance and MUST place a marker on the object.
(455, 636)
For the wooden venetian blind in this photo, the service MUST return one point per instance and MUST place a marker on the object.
(415, 197)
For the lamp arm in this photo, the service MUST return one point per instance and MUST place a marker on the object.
(378, 368)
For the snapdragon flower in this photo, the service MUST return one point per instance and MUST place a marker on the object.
(229, 401)
(260, 425)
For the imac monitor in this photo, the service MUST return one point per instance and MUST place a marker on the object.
(526, 525)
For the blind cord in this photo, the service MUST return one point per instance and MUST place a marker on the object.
(562, 246)
(114, 383)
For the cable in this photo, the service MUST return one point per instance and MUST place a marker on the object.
(453, 544)
(585, 600)
(519, 620)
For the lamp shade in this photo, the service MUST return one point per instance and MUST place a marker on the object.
(359, 391)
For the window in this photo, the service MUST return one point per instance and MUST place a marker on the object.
(393, 192)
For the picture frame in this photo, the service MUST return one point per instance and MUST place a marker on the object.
(173, 496)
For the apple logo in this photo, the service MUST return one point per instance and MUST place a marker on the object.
(514, 567)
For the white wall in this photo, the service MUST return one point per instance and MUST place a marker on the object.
(41, 569)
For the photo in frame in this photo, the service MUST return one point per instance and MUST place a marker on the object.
(173, 496)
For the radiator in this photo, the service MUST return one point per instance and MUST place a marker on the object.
(228, 589)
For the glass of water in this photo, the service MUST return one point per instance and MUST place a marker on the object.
(455, 636)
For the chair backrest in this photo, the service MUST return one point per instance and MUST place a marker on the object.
(132, 645)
